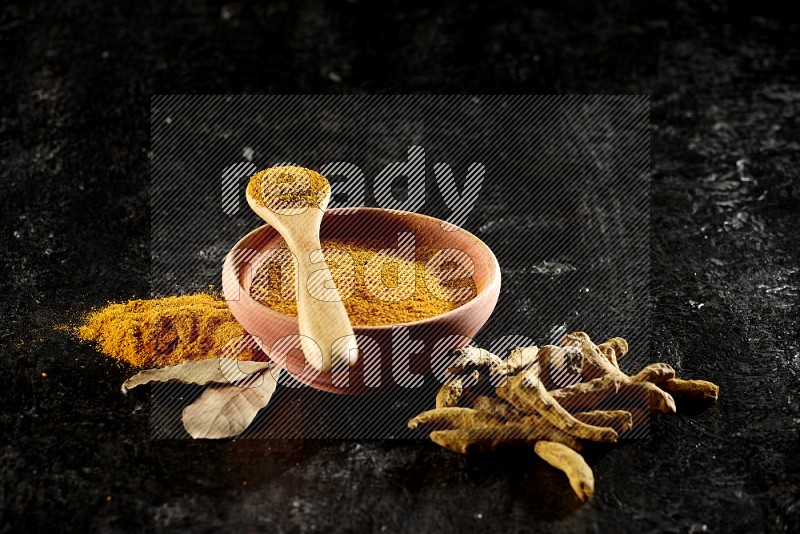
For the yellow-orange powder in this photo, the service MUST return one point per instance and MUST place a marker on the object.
(165, 331)
(287, 187)
(364, 307)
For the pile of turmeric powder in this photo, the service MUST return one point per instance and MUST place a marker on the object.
(287, 187)
(164, 331)
(362, 297)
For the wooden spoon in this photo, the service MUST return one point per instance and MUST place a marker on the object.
(327, 335)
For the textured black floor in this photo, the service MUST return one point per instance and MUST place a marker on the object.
(725, 85)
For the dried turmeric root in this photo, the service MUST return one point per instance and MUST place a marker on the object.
(596, 365)
(474, 358)
(541, 429)
(473, 440)
(610, 355)
(449, 393)
(526, 393)
(549, 398)
(572, 464)
(489, 438)
(448, 418)
(619, 420)
(589, 395)
(614, 349)
(521, 358)
(559, 366)
(657, 373)
(692, 389)
(497, 406)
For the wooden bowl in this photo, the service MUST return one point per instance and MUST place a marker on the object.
(390, 355)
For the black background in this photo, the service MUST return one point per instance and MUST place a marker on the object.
(78, 77)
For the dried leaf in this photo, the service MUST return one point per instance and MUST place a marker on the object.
(226, 411)
(198, 372)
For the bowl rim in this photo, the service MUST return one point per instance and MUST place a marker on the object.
(492, 283)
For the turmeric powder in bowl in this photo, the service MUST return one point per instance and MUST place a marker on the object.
(287, 187)
(377, 285)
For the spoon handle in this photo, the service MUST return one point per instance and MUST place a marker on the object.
(327, 335)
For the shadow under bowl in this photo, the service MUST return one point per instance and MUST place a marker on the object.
(390, 355)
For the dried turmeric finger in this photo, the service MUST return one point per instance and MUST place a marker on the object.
(589, 395)
(619, 420)
(520, 358)
(449, 393)
(496, 406)
(692, 389)
(472, 440)
(610, 355)
(572, 464)
(453, 418)
(660, 400)
(469, 358)
(476, 384)
(526, 393)
(657, 373)
(640, 417)
(560, 366)
(542, 429)
(489, 438)
(595, 364)
(616, 344)
(475, 440)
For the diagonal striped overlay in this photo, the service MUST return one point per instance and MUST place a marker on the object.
(561, 196)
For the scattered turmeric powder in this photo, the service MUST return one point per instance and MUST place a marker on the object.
(164, 331)
(287, 187)
(398, 291)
